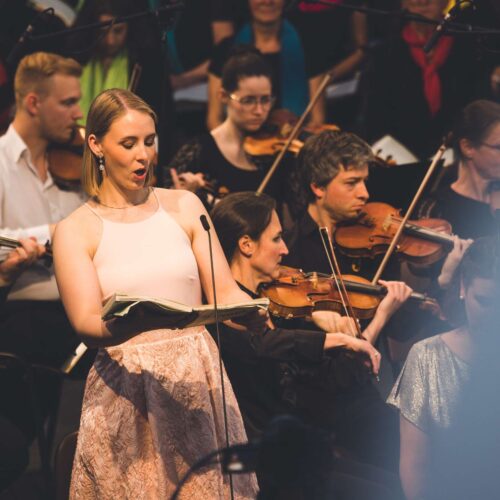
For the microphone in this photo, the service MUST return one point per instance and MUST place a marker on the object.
(452, 14)
(205, 224)
(206, 227)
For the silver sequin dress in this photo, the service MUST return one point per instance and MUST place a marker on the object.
(429, 385)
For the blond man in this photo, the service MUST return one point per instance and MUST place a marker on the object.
(32, 320)
(47, 91)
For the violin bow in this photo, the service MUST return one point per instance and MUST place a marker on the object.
(294, 133)
(9, 242)
(416, 198)
(334, 265)
(13, 243)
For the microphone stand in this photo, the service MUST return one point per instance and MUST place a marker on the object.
(160, 13)
(452, 27)
(443, 25)
(206, 227)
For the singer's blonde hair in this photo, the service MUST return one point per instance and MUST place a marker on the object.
(35, 70)
(107, 107)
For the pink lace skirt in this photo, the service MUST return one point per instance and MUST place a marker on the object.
(152, 408)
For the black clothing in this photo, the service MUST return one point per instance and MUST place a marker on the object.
(4, 292)
(197, 17)
(14, 456)
(397, 104)
(203, 155)
(468, 218)
(363, 423)
(253, 363)
(285, 371)
(39, 332)
(326, 35)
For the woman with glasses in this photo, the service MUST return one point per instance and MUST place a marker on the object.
(216, 163)
(468, 203)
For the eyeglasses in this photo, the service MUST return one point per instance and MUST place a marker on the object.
(251, 101)
(496, 147)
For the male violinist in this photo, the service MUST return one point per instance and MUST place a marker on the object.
(330, 185)
(32, 321)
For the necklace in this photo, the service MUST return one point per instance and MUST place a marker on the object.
(99, 202)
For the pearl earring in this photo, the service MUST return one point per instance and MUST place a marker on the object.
(101, 163)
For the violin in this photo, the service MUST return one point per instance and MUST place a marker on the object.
(13, 243)
(272, 137)
(423, 241)
(296, 294)
(65, 161)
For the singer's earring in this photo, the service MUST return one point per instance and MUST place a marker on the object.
(461, 297)
(101, 163)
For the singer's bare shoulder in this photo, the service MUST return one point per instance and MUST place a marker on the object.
(184, 206)
(82, 228)
(180, 201)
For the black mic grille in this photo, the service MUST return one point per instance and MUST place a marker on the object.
(204, 222)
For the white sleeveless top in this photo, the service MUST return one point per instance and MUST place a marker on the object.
(152, 257)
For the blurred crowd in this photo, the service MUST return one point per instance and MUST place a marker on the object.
(397, 88)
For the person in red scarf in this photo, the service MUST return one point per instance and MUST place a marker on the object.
(416, 95)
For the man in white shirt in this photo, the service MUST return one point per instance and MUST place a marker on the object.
(47, 90)
(33, 323)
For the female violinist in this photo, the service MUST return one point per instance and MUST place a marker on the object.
(219, 156)
(287, 370)
(466, 201)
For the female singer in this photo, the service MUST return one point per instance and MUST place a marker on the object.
(430, 385)
(153, 396)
